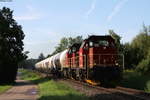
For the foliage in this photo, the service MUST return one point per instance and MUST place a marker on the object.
(141, 44)
(41, 57)
(138, 50)
(28, 63)
(133, 79)
(66, 42)
(128, 52)
(11, 46)
(117, 39)
(144, 65)
(28, 75)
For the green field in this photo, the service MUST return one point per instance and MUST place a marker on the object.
(132, 79)
(50, 89)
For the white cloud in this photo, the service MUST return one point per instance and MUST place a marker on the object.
(93, 4)
(31, 14)
(116, 9)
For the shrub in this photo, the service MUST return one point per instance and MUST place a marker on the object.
(144, 66)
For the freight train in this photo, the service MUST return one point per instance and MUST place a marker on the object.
(96, 59)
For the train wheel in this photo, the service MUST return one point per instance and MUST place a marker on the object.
(77, 74)
(82, 74)
(65, 73)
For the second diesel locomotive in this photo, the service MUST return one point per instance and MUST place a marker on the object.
(96, 58)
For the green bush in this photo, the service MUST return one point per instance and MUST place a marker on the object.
(144, 66)
(133, 79)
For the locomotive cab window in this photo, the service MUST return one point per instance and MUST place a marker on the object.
(91, 44)
(98, 43)
(86, 46)
(70, 51)
(112, 45)
(74, 49)
(103, 43)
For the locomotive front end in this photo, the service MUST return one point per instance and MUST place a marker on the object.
(102, 59)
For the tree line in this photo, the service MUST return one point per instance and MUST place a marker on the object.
(137, 53)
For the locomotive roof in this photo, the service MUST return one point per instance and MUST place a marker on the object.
(92, 37)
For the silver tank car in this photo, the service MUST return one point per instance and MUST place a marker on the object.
(63, 58)
(55, 62)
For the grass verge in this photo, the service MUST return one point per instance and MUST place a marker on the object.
(132, 79)
(4, 88)
(50, 89)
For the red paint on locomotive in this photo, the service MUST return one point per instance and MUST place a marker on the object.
(98, 51)
(72, 56)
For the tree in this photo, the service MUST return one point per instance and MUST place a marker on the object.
(144, 66)
(139, 51)
(11, 46)
(67, 42)
(77, 39)
(141, 45)
(41, 57)
(128, 51)
(117, 39)
(28, 63)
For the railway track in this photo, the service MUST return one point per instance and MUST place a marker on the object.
(127, 93)
(137, 93)
(133, 94)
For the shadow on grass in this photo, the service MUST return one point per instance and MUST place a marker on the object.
(65, 97)
(135, 80)
(115, 96)
(102, 96)
(40, 80)
(11, 83)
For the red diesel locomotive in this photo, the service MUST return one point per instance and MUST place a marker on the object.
(96, 59)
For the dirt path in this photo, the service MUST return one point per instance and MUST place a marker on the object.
(23, 90)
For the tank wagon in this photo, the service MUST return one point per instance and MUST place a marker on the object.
(96, 58)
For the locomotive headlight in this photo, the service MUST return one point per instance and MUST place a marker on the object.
(116, 64)
(95, 63)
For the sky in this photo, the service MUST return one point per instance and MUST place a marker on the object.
(45, 22)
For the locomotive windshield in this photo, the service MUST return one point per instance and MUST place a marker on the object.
(98, 43)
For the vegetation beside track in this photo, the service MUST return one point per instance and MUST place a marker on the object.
(50, 89)
(4, 88)
(133, 79)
